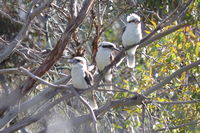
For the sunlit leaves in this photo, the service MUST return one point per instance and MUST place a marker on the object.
(154, 23)
(162, 59)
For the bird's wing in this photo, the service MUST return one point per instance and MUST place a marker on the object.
(124, 28)
(112, 57)
(88, 78)
(114, 54)
(122, 32)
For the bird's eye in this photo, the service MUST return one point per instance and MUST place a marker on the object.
(78, 60)
(110, 46)
(132, 21)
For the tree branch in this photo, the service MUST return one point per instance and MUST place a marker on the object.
(89, 107)
(177, 102)
(169, 78)
(179, 126)
(7, 50)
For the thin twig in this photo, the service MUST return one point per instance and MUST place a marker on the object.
(143, 118)
(9, 70)
(89, 107)
(180, 126)
(25, 71)
(177, 102)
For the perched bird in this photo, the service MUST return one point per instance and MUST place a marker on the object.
(82, 78)
(105, 55)
(132, 35)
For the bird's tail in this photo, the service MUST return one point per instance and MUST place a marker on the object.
(92, 100)
(131, 61)
(131, 57)
(110, 86)
(108, 80)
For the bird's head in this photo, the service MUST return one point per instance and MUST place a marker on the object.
(108, 46)
(133, 18)
(78, 61)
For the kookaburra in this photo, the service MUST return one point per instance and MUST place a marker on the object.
(132, 35)
(104, 56)
(82, 78)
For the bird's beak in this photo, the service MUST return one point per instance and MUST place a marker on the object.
(72, 61)
(137, 21)
(115, 49)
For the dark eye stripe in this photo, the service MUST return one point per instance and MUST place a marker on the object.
(107, 46)
(78, 60)
(134, 21)
(131, 21)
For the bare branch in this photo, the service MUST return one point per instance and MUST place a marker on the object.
(170, 19)
(28, 73)
(73, 8)
(25, 71)
(89, 107)
(21, 35)
(9, 70)
(136, 100)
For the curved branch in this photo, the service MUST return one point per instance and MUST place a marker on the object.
(169, 78)
(89, 108)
